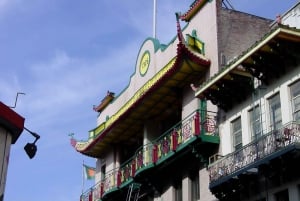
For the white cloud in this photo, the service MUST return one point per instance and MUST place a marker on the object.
(6, 5)
(62, 89)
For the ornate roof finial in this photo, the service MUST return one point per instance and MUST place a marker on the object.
(179, 32)
(278, 19)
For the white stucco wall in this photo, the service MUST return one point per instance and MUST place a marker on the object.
(5, 143)
(205, 194)
(207, 18)
(292, 17)
(281, 85)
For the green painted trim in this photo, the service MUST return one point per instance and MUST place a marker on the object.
(203, 111)
(198, 45)
(126, 183)
(110, 191)
(210, 138)
(144, 168)
(187, 143)
(162, 159)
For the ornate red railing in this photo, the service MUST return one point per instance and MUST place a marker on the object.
(149, 155)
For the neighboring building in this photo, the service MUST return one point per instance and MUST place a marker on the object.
(258, 99)
(11, 127)
(292, 17)
(165, 138)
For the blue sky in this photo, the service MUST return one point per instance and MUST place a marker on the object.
(65, 55)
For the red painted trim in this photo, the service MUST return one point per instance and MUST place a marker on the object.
(154, 153)
(197, 123)
(174, 140)
(193, 10)
(11, 121)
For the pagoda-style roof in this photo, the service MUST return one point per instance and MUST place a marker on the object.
(105, 101)
(160, 93)
(266, 60)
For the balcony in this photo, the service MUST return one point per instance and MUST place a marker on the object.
(168, 146)
(263, 157)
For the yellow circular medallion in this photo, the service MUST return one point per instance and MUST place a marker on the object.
(144, 63)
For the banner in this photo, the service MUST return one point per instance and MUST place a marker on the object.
(89, 172)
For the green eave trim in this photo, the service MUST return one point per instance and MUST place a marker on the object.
(144, 168)
(126, 183)
(187, 143)
(210, 138)
(164, 158)
(110, 191)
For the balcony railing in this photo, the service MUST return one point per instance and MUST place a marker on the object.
(152, 154)
(246, 158)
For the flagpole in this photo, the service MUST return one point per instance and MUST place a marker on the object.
(82, 177)
(154, 18)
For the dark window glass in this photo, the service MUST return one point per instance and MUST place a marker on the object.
(282, 196)
(255, 122)
(195, 191)
(295, 95)
(275, 112)
(237, 133)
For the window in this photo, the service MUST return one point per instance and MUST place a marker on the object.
(295, 95)
(103, 171)
(275, 112)
(237, 133)
(282, 196)
(255, 122)
(195, 187)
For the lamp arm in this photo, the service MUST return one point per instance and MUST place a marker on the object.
(33, 134)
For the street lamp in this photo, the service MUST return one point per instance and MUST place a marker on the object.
(30, 148)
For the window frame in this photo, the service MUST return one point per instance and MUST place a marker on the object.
(237, 133)
(178, 196)
(275, 98)
(195, 186)
(295, 94)
(255, 122)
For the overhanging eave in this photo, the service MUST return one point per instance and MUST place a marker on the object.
(259, 61)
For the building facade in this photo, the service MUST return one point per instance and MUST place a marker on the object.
(11, 127)
(258, 118)
(193, 106)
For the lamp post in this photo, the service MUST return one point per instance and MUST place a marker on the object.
(30, 148)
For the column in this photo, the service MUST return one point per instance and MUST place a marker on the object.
(294, 192)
